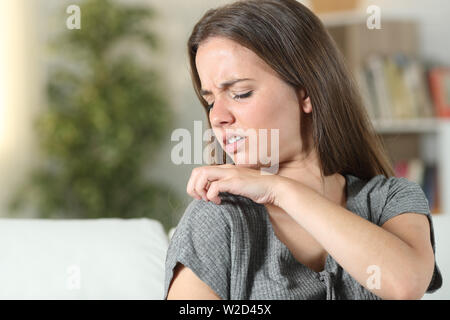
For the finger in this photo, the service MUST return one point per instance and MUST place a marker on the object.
(198, 183)
(191, 184)
(218, 186)
(213, 192)
(201, 184)
(206, 177)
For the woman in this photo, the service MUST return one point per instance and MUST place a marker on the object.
(333, 222)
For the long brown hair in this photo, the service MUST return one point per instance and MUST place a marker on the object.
(293, 41)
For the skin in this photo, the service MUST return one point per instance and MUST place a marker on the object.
(308, 215)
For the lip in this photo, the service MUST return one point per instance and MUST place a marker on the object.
(229, 135)
(233, 147)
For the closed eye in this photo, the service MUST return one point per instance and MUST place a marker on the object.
(242, 96)
(236, 97)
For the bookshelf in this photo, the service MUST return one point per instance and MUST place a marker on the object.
(402, 115)
(425, 139)
(405, 126)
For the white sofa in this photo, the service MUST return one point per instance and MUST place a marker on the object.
(82, 259)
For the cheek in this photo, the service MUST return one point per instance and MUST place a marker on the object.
(262, 113)
(283, 116)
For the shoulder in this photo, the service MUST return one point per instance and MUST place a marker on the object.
(201, 213)
(204, 221)
(387, 197)
(204, 240)
(379, 184)
(383, 187)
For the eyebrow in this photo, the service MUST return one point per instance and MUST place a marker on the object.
(224, 85)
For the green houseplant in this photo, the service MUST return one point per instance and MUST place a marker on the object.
(106, 120)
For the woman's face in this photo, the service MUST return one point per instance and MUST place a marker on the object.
(262, 101)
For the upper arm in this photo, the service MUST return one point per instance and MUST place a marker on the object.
(198, 260)
(406, 214)
(186, 285)
(414, 230)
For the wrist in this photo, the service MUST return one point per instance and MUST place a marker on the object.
(282, 188)
(288, 190)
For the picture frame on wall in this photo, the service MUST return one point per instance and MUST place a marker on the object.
(439, 79)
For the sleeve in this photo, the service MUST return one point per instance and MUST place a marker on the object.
(201, 242)
(407, 196)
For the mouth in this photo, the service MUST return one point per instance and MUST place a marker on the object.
(231, 142)
(233, 139)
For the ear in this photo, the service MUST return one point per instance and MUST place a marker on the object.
(305, 101)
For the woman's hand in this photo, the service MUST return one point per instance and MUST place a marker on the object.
(206, 182)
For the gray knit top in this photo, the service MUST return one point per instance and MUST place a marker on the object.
(233, 249)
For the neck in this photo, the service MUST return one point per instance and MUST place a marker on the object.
(306, 170)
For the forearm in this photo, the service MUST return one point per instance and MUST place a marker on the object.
(352, 241)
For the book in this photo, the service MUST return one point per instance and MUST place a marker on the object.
(401, 101)
(394, 87)
(416, 170)
(369, 101)
(439, 81)
(415, 82)
(425, 175)
(375, 66)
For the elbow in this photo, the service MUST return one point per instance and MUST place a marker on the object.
(410, 289)
(414, 280)
(409, 294)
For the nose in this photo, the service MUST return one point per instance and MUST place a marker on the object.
(220, 115)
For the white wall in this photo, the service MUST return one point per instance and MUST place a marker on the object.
(21, 98)
(442, 238)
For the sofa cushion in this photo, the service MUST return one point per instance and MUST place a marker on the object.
(82, 259)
